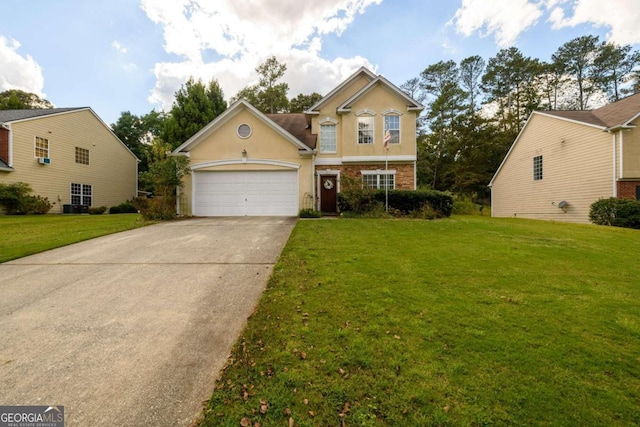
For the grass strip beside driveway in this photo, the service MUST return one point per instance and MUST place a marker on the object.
(463, 321)
(24, 235)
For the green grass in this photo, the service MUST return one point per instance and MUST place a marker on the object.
(467, 321)
(27, 235)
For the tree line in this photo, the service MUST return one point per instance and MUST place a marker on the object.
(476, 108)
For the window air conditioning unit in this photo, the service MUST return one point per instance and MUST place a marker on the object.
(44, 160)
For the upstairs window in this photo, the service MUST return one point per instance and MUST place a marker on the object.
(392, 125)
(82, 156)
(537, 168)
(328, 138)
(41, 147)
(365, 130)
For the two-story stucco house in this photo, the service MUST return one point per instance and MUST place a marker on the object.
(68, 155)
(563, 161)
(248, 163)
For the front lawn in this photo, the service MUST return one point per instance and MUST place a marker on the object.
(24, 235)
(464, 321)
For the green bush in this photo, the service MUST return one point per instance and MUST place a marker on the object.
(401, 202)
(309, 213)
(466, 206)
(126, 207)
(157, 209)
(17, 200)
(616, 212)
(97, 211)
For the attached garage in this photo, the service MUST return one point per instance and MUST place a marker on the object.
(245, 193)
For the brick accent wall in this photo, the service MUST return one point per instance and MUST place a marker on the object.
(404, 172)
(627, 189)
(4, 145)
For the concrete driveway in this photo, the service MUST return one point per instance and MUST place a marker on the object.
(133, 328)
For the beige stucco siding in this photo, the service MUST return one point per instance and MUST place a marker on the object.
(266, 149)
(112, 168)
(379, 100)
(578, 171)
(329, 108)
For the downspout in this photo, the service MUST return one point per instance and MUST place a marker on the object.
(10, 145)
(621, 156)
(313, 182)
(615, 187)
(415, 174)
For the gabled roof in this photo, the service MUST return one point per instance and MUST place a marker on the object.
(13, 116)
(614, 115)
(8, 116)
(363, 71)
(412, 104)
(229, 113)
(296, 124)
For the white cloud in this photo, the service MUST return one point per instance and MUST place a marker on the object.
(121, 49)
(621, 16)
(19, 72)
(243, 33)
(504, 19)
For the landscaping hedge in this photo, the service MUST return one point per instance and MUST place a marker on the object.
(405, 201)
(616, 212)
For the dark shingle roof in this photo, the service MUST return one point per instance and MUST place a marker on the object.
(296, 124)
(7, 116)
(612, 115)
(620, 112)
(579, 116)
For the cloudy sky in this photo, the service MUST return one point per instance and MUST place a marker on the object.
(121, 55)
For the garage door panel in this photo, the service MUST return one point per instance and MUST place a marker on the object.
(255, 193)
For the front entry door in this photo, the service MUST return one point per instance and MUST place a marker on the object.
(328, 191)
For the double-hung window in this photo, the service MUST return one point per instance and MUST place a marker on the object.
(379, 180)
(81, 194)
(365, 130)
(392, 125)
(328, 138)
(537, 168)
(41, 147)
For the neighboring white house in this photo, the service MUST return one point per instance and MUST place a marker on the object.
(563, 161)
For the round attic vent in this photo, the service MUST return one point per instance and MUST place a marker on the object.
(244, 131)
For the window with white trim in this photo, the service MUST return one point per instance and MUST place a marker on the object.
(537, 168)
(41, 147)
(365, 130)
(379, 180)
(392, 125)
(328, 138)
(81, 194)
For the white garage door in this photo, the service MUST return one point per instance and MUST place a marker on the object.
(256, 193)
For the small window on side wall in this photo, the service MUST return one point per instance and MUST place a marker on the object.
(537, 168)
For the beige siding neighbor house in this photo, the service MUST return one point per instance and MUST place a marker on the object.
(68, 155)
(248, 163)
(563, 161)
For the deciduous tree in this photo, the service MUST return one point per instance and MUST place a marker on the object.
(194, 107)
(14, 99)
